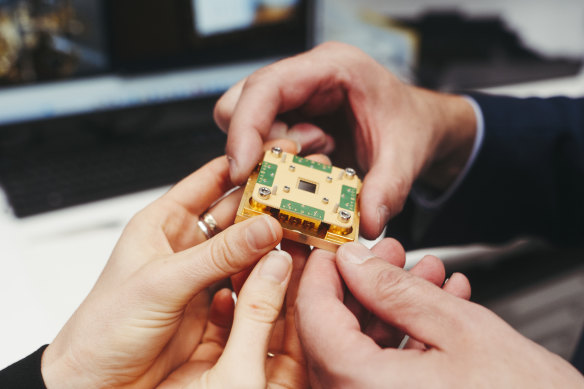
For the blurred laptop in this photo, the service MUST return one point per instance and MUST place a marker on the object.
(103, 98)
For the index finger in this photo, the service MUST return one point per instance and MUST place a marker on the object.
(226, 105)
(278, 88)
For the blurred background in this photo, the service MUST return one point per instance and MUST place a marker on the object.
(104, 104)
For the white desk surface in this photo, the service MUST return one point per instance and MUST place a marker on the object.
(48, 263)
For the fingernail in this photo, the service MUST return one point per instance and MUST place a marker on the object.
(382, 216)
(260, 233)
(298, 146)
(276, 266)
(354, 253)
(294, 137)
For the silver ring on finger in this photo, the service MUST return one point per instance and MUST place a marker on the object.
(208, 225)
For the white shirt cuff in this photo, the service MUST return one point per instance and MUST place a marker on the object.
(424, 199)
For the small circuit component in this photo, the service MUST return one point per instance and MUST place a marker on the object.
(316, 204)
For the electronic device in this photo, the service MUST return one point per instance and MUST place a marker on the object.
(69, 57)
(316, 204)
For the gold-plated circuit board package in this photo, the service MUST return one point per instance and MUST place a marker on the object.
(316, 204)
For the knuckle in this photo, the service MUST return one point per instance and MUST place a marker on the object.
(141, 216)
(390, 283)
(257, 77)
(223, 254)
(261, 309)
(135, 221)
(334, 46)
(268, 75)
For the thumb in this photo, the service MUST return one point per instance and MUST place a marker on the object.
(412, 304)
(181, 276)
(385, 190)
(258, 307)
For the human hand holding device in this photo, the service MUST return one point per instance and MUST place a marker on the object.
(259, 348)
(150, 313)
(335, 97)
(456, 343)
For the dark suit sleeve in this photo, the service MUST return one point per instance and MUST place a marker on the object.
(24, 374)
(528, 178)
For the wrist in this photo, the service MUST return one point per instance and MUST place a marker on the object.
(455, 126)
(59, 371)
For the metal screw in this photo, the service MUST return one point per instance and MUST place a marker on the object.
(292, 168)
(265, 192)
(350, 172)
(344, 216)
(277, 151)
(286, 188)
(325, 200)
(329, 179)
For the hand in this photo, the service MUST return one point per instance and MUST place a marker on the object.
(147, 313)
(230, 357)
(456, 343)
(394, 132)
(221, 360)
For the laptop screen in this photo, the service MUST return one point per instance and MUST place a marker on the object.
(67, 57)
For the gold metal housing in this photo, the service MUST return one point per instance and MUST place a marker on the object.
(316, 204)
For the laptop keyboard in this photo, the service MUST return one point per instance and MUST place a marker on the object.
(40, 180)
